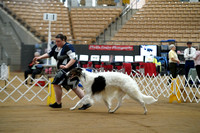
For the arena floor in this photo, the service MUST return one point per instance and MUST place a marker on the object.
(162, 117)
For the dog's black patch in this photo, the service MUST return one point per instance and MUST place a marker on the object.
(98, 85)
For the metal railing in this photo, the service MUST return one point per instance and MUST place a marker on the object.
(129, 7)
(123, 17)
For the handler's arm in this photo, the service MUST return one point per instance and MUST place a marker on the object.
(41, 57)
(68, 65)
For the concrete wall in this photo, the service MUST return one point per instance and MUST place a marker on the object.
(12, 35)
(24, 35)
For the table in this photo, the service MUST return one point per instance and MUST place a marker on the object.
(49, 70)
(193, 74)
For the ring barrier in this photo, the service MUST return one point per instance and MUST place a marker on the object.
(180, 88)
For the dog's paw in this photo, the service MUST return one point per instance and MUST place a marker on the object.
(111, 111)
(72, 108)
(145, 113)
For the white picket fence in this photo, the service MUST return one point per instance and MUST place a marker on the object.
(159, 86)
(156, 86)
(16, 89)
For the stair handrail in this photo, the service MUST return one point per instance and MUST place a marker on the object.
(129, 7)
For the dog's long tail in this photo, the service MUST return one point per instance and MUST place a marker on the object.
(148, 99)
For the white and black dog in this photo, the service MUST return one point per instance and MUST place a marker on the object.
(109, 85)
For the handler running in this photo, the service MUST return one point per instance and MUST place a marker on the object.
(65, 55)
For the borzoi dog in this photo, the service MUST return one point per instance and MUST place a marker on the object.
(109, 85)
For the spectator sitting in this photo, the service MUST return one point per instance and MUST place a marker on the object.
(34, 68)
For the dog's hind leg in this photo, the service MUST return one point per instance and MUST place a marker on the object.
(120, 99)
(145, 109)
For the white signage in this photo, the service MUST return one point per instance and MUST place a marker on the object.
(50, 16)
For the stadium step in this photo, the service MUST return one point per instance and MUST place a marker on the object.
(115, 27)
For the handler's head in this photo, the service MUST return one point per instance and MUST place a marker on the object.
(60, 40)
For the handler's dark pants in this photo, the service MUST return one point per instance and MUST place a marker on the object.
(62, 78)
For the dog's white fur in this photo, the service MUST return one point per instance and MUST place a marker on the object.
(117, 85)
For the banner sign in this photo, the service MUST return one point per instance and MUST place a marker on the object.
(111, 47)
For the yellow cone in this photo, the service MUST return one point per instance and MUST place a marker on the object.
(176, 95)
(51, 98)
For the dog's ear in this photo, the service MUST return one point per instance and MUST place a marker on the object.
(79, 70)
(75, 72)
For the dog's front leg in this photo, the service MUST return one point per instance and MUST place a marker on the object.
(79, 102)
(107, 103)
(118, 105)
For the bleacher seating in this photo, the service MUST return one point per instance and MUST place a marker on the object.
(162, 20)
(32, 13)
(157, 20)
(88, 23)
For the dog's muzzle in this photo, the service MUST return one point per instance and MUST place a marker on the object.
(71, 75)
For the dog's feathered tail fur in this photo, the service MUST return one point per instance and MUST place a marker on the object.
(148, 99)
(136, 93)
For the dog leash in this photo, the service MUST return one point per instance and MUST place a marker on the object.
(66, 73)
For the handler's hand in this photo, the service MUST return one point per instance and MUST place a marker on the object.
(63, 66)
(35, 59)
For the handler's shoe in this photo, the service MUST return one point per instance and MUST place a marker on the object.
(85, 106)
(55, 105)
